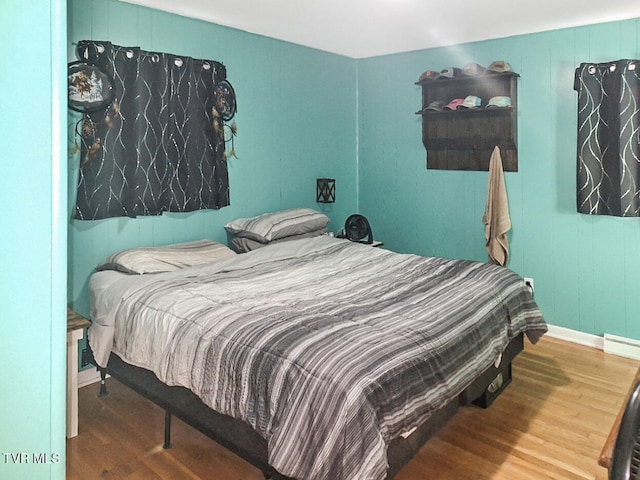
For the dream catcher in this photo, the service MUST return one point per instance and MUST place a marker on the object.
(223, 111)
(92, 93)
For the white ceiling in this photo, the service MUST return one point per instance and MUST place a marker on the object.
(367, 28)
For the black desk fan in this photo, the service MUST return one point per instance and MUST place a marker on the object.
(357, 229)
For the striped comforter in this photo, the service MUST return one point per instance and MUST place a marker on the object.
(329, 349)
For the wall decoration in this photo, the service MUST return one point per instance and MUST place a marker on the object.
(225, 100)
(466, 112)
(608, 153)
(159, 145)
(326, 190)
(90, 89)
(225, 109)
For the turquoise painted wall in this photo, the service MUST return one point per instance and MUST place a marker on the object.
(585, 268)
(303, 113)
(296, 122)
(33, 240)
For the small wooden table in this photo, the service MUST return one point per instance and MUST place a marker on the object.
(607, 451)
(75, 331)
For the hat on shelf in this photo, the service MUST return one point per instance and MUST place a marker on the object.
(471, 102)
(436, 105)
(499, 66)
(429, 75)
(473, 69)
(453, 104)
(450, 72)
(499, 101)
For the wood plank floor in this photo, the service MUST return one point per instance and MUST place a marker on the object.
(550, 423)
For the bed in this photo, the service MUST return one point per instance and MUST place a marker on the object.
(316, 358)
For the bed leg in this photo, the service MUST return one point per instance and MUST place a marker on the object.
(103, 385)
(167, 429)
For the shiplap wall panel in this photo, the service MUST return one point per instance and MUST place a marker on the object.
(33, 260)
(631, 280)
(296, 122)
(585, 268)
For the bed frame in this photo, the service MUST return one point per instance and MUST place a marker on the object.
(240, 438)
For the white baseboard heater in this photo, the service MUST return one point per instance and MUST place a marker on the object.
(624, 347)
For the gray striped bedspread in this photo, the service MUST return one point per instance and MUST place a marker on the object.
(327, 348)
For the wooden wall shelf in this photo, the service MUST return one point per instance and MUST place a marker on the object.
(464, 139)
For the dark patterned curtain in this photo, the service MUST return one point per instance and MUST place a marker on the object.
(159, 146)
(609, 138)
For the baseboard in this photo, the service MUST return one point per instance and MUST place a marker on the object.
(88, 376)
(624, 347)
(574, 336)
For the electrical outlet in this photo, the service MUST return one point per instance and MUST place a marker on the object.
(529, 283)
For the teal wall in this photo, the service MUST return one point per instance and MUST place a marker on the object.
(298, 119)
(33, 240)
(303, 113)
(585, 268)
(296, 122)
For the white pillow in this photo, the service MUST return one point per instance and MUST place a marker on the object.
(166, 259)
(272, 226)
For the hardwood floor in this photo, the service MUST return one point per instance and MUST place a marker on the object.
(550, 423)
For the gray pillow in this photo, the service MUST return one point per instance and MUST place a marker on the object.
(272, 226)
(167, 258)
(244, 244)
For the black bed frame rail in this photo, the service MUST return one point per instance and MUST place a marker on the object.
(240, 438)
(234, 435)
